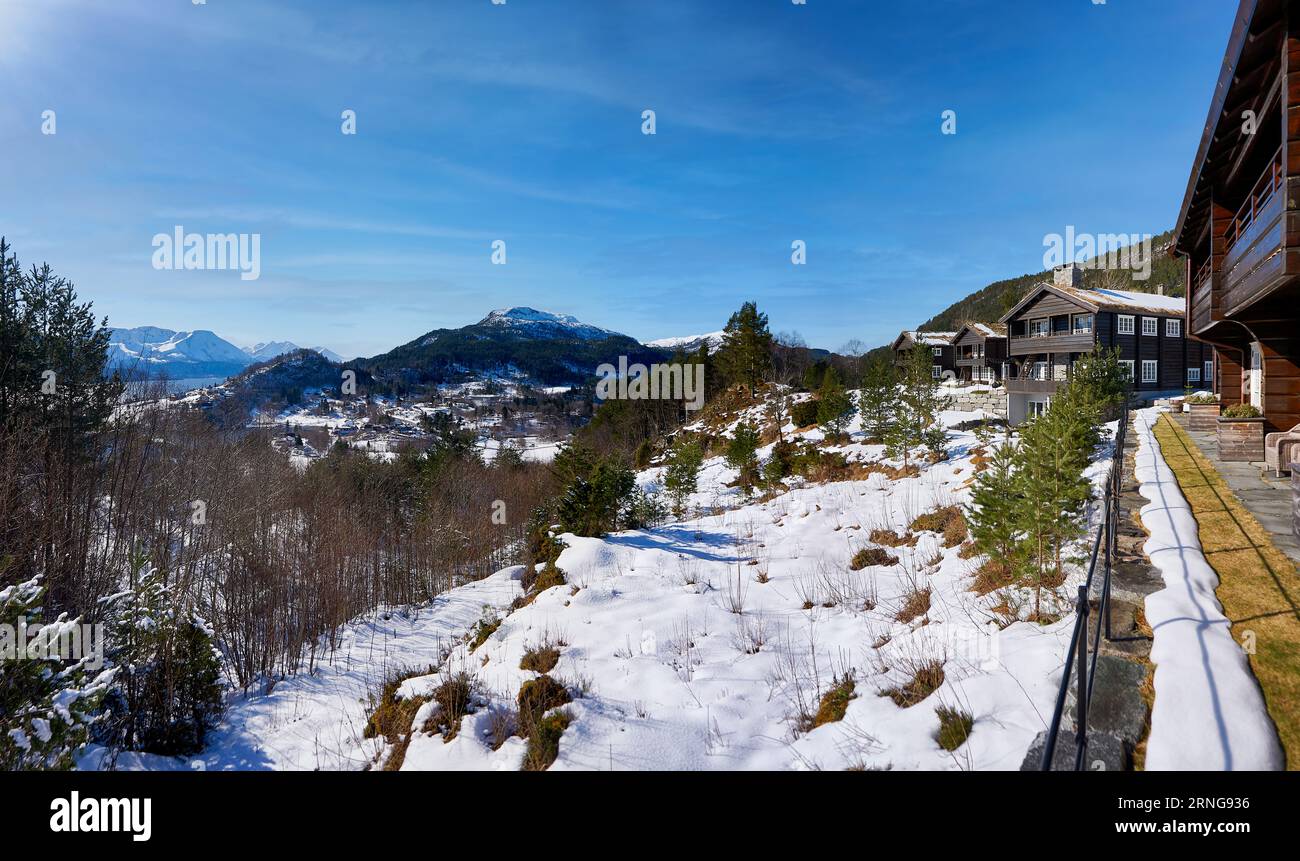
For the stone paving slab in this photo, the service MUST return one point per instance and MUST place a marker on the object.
(1269, 499)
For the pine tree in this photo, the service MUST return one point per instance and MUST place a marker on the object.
(995, 512)
(682, 475)
(835, 407)
(1055, 493)
(878, 397)
(167, 694)
(47, 706)
(916, 415)
(746, 352)
(742, 455)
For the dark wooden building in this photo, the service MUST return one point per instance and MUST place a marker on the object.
(1056, 323)
(1239, 226)
(981, 351)
(939, 344)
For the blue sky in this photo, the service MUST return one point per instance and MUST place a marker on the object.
(522, 122)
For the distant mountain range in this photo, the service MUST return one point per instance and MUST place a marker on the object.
(152, 352)
(689, 343)
(539, 346)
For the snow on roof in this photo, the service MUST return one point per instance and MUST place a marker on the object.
(932, 339)
(988, 330)
(1126, 300)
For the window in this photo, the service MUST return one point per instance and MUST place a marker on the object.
(936, 371)
(1148, 370)
(1209, 371)
(979, 350)
(936, 351)
(1036, 408)
(1173, 328)
(1082, 324)
(1038, 329)
(1150, 326)
(1127, 365)
(1193, 375)
(1126, 324)
(1039, 372)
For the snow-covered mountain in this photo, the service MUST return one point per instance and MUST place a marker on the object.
(151, 351)
(261, 352)
(532, 323)
(521, 343)
(689, 343)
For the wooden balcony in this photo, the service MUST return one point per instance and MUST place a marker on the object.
(1056, 342)
(1253, 261)
(1031, 386)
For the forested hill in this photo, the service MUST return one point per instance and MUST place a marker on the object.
(989, 303)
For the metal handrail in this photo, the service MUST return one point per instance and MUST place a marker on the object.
(1087, 670)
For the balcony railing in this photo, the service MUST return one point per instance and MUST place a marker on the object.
(1262, 193)
(1064, 333)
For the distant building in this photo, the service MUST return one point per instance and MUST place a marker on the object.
(939, 344)
(981, 351)
(1057, 323)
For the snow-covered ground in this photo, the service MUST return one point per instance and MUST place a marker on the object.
(696, 645)
(316, 720)
(1209, 713)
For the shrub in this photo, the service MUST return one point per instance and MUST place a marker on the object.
(804, 413)
(544, 741)
(591, 505)
(538, 696)
(455, 699)
(540, 659)
(391, 718)
(835, 702)
(1242, 411)
(484, 628)
(954, 727)
(741, 454)
(915, 605)
(890, 538)
(1203, 398)
(925, 681)
(871, 556)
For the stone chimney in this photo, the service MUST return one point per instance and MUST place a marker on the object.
(1069, 275)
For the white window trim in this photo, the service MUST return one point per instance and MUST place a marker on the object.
(1047, 327)
(936, 371)
(1125, 329)
(936, 351)
(1173, 328)
(1074, 321)
(1193, 375)
(1155, 370)
(1209, 371)
(1128, 365)
(1039, 372)
(1154, 327)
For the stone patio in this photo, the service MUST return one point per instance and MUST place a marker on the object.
(1268, 499)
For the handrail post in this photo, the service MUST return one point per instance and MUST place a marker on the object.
(1081, 698)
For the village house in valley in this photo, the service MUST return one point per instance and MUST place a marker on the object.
(1239, 226)
(940, 345)
(981, 351)
(1057, 323)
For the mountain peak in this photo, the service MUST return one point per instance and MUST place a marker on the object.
(534, 323)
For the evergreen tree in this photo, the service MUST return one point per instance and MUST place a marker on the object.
(47, 706)
(916, 414)
(742, 455)
(167, 694)
(591, 505)
(746, 352)
(878, 397)
(996, 511)
(1054, 491)
(835, 407)
(682, 475)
